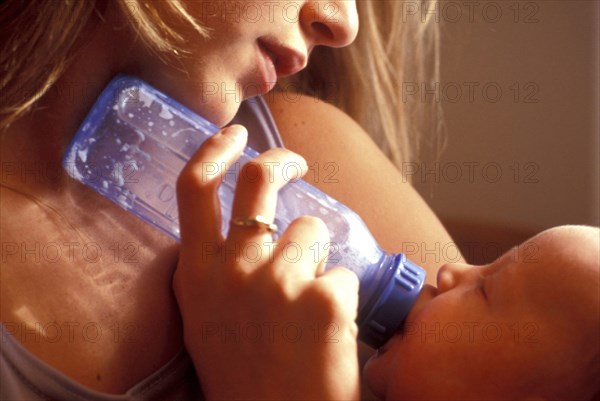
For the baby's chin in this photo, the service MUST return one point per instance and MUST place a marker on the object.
(378, 369)
(374, 375)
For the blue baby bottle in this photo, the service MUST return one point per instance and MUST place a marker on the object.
(134, 142)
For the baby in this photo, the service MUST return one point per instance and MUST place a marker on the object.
(526, 326)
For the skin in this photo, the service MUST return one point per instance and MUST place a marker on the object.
(514, 329)
(127, 291)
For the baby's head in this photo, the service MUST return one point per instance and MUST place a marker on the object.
(523, 327)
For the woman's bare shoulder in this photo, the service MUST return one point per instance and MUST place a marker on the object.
(314, 125)
(347, 164)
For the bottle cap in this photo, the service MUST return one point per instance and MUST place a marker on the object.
(395, 300)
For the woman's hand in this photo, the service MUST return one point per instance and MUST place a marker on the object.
(262, 320)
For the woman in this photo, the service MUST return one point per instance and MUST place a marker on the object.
(102, 315)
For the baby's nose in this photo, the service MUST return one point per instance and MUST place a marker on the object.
(451, 275)
(330, 23)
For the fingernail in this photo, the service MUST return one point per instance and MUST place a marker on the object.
(303, 168)
(236, 132)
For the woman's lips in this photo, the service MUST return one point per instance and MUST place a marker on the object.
(274, 60)
(267, 72)
(286, 59)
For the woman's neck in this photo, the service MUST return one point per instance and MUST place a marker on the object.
(72, 256)
(33, 146)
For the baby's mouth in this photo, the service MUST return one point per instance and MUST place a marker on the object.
(383, 349)
(399, 333)
(427, 294)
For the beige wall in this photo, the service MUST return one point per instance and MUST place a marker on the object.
(529, 159)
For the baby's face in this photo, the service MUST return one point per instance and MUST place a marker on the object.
(508, 330)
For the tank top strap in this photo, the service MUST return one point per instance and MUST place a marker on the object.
(255, 115)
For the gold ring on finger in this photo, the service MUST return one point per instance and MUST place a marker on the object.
(257, 221)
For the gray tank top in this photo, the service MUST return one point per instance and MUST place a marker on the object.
(25, 377)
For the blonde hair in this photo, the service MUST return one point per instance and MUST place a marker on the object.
(397, 47)
(39, 37)
(365, 79)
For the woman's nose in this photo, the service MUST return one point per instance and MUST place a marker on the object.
(330, 23)
(451, 275)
